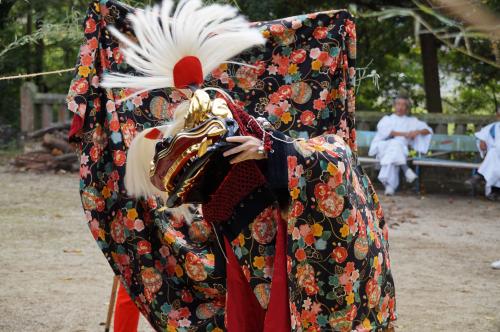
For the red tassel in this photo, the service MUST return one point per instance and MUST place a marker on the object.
(154, 134)
(76, 126)
(188, 71)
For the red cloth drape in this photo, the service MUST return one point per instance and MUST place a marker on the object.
(243, 311)
(126, 312)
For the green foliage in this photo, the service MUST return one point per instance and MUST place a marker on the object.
(473, 100)
(50, 42)
(389, 47)
(37, 36)
(45, 35)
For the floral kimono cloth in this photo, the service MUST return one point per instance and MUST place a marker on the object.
(336, 267)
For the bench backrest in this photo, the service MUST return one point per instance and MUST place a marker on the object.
(439, 142)
(364, 138)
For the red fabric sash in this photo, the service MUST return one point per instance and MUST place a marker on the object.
(243, 311)
(76, 126)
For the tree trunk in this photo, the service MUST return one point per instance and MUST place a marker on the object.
(428, 44)
(5, 7)
(495, 49)
(39, 57)
(29, 31)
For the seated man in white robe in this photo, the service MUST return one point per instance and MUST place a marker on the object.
(489, 147)
(395, 133)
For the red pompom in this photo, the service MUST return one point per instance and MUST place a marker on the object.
(188, 71)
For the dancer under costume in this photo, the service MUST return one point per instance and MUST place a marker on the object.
(294, 237)
(390, 145)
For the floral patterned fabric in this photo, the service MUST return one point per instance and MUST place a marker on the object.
(339, 274)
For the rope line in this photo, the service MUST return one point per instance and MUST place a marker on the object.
(22, 76)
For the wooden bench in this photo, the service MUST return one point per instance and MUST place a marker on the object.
(440, 146)
(363, 139)
(447, 144)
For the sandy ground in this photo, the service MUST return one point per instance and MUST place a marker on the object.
(54, 278)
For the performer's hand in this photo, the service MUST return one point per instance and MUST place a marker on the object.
(247, 150)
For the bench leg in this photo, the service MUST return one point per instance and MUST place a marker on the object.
(417, 181)
(473, 189)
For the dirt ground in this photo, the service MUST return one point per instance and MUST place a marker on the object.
(54, 278)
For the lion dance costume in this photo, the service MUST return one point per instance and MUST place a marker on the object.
(294, 242)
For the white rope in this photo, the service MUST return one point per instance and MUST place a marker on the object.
(274, 137)
(221, 91)
(20, 76)
(241, 64)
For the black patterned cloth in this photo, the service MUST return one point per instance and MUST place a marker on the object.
(337, 260)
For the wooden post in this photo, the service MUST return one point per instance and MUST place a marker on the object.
(46, 115)
(28, 93)
(363, 126)
(111, 306)
(459, 129)
(62, 113)
(441, 129)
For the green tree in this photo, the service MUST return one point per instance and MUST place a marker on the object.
(45, 35)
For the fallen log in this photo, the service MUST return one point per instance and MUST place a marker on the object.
(43, 161)
(36, 160)
(68, 162)
(48, 130)
(66, 158)
(53, 154)
(52, 142)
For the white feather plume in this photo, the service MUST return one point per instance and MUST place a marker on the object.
(141, 152)
(213, 33)
(139, 157)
